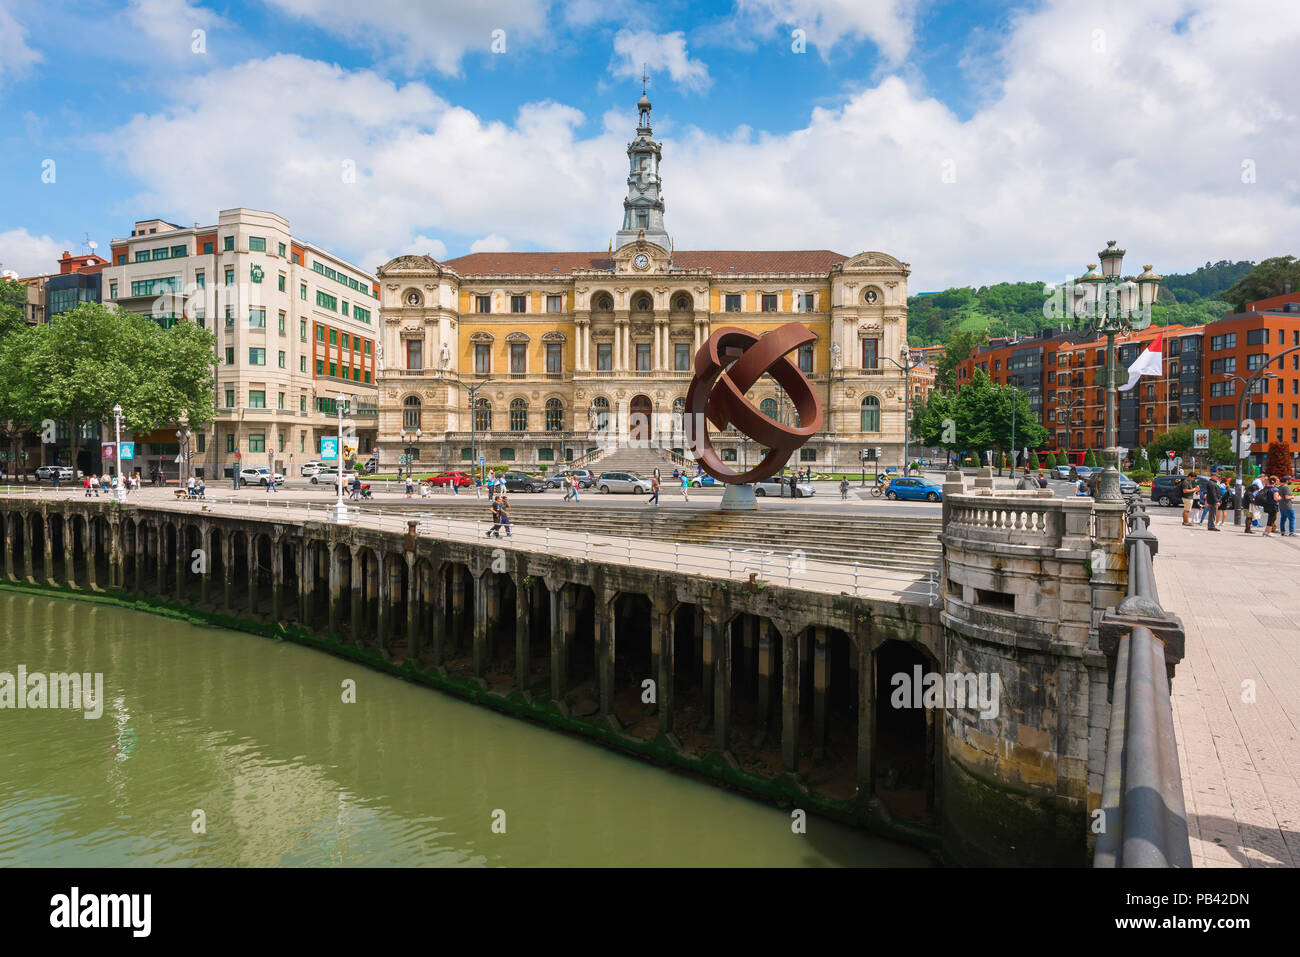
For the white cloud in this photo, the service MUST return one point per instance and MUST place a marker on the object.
(419, 246)
(15, 55)
(169, 25)
(490, 244)
(635, 49)
(889, 24)
(437, 33)
(1142, 142)
(30, 255)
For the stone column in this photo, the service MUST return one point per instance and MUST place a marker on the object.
(160, 556)
(116, 573)
(457, 606)
(721, 683)
(789, 700)
(69, 565)
(385, 598)
(523, 627)
(306, 580)
(560, 602)
(92, 543)
(277, 576)
(336, 590)
(228, 569)
(49, 549)
(251, 541)
(866, 708)
(205, 543)
(606, 625)
(7, 523)
(26, 519)
(357, 609)
(182, 557)
(766, 667)
(704, 628)
(821, 682)
(483, 619)
(414, 592)
(661, 644)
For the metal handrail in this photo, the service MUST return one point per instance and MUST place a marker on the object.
(1143, 810)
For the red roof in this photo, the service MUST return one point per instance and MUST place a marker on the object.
(721, 261)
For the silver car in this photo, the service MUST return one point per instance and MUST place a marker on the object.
(622, 482)
(778, 489)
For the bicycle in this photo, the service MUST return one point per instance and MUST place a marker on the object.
(878, 489)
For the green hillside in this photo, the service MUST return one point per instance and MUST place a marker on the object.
(1017, 307)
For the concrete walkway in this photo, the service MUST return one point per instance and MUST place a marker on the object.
(1236, 706)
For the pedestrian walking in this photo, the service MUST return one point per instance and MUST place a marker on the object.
(1211, 504)
(844, 490)
(410, 486)
(503, 509)
(1286, 507)
(1272, 500)
(86, 483)
(654, 489)
(270, 484)
(189, 487)
(455, 485)
(686, 484)
(495, 530)
(202, 490)
(1187, 488)
(56, 476)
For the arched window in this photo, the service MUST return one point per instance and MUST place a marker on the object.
(643, 304)
(411, 412)
(518, 415)
(599, 415)
(871, 414)
(603, 303)
(768, 408)
(554, 415)
(483, 415)
(682, 303)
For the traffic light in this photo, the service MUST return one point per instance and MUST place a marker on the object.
(877, 453)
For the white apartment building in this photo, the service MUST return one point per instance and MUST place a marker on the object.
(295, 327)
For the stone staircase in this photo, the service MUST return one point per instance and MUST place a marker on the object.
(910, 545)
(641, 461)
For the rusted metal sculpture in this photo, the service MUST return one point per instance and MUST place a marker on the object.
(726, 367)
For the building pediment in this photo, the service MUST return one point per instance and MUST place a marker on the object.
(641, 258)
(874, 262)
(423, 265)
(481, 336)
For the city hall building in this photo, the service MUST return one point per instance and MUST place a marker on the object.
(539, 358)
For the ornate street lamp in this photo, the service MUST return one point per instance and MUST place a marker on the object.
(1117, 305)
(907, 365)
(117, 423)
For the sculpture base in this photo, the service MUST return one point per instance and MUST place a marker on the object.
(739, 498)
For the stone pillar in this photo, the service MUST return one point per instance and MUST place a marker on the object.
(789, 701)
(49, 549)
(251, 541)
(26, 519)
(438, 612)
(721, 682)
(661, 643)
(984, 478)
(160, 558)
(483, 620)
(821, 684)
(7, 522)
(91, 543)
(766, 668)
(277, 576)
(69, 564)
(704, 628)
(116, 572)
(523, 628)
(866, 709)
(384, 573)
(561, 604)
(357, 610)
(205, 543)
(182, 557)
(457, 606)
(228, 569)
(606, 613)
(336, 590)
(306, 580)
(414, 593)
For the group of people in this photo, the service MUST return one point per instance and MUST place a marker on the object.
(195, 488)
(94, 484)
(1268, 499)
(500, 516)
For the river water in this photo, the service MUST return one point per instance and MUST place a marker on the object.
(255, 734)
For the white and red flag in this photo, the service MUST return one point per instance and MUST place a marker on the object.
(1148, 363)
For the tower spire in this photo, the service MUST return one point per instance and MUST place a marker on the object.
(643, 209)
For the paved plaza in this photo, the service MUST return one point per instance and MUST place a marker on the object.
(1239, 752)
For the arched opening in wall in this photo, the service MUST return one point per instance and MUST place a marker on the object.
(101, 550)
(904, 753)
(602, 302)
(289, 584)
(365, 630)
(639, 426)
(755, 738)
(683, 302)
(216, 573)
(633, 665)
(342, 596)
(692, 700)
(418, 646)
(458, 600)
(239, 570)
(831, 716)
(57, 551)
(265, 580)
(168, 549)
(191, 552)
(36, 529)
(503, 611)
(538, 671)
(581, 693)
(80, 539)
(17, 542)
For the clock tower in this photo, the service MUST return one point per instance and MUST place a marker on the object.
(643, 209)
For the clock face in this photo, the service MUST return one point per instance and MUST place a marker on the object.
(641, 261)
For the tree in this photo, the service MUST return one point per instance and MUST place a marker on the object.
(1090, 460)
(1034, 462)
(960, 346)
(1279, 459)
(1181, 441)
(93, 357)
(13, 322)
(1269, 278)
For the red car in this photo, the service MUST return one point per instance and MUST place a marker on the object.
(451, 478)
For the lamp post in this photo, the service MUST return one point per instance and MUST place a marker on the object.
(117, 425)
(1243, 448)
(340, 510)
(1119, 304)
(907, 365)
(183, 440)
(473, 389)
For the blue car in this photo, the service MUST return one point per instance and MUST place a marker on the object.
(914, 490)
(703, 480)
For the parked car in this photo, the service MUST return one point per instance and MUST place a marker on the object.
(1127, 487)
(560, 479)
(622, 482)
(778, 489)
(519, 482)
(310, 468)
(448, 479)
(258, 475)
(914, 490)
(1165, 488)
(46, 473)
(327, 475)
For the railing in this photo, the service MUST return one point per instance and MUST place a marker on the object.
(1142, 804)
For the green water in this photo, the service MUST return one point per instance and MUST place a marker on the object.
(255, 734)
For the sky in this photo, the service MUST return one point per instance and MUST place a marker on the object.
(978, 141)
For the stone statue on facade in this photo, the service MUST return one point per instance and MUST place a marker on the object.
(444, 356)
(836, 362)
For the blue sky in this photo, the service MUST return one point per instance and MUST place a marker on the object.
(978, 141)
